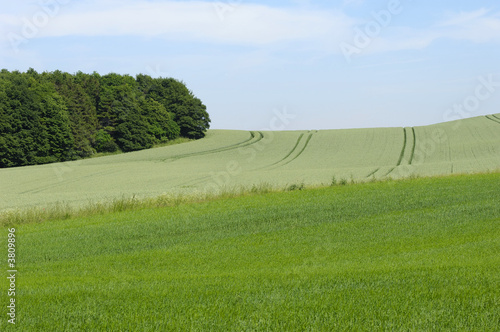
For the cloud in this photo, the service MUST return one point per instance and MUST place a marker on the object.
(229, 23)
(353, 2)
(240, 23)
(462, 18)
(478, 26)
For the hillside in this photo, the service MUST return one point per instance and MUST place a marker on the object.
(413, 255)
(227, 159)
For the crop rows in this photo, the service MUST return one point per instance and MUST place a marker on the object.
(228, 159)
(296, 151)
(255, 137)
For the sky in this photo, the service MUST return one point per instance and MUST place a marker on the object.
(315, 64)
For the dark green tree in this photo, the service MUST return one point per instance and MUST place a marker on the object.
(189, 112)
(56, 116)
(161, 126)
(81, 110)
(132, 134)
(35, 123)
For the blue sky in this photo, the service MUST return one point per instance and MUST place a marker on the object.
(330, 64)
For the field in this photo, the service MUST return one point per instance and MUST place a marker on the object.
(418, 254)
(335, 230)
(231, 159)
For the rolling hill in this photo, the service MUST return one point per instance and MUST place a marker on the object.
(411, 255)
(228, 159)
(417, 254)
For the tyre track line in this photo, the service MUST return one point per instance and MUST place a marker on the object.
(286, 160)
(494, 119)
(291, 151)
(403, 151)
(405, 139)
(301, 151)
(255, 138)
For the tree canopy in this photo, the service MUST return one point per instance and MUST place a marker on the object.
(56, 116)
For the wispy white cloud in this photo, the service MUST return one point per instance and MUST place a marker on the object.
(246, 24)
(353, 2)
(454, 19)
(480, 26)
(392, 63)
(477, 26)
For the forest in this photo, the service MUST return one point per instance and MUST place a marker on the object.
(56, 116)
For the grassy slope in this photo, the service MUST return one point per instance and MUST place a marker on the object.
(239, 158)
(418, 254)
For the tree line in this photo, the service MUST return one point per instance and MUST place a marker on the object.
(56, 116)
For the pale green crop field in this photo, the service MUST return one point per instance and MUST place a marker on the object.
(228, 159)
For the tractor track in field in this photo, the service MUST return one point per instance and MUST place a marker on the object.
(66, 182)
(493, 118)
(291, 151)
(476, 159)
(193, 182)
(403, 151)
(402, 154)
(292, 155)
(373, 173)
(412, 155)
(255, 137)
(390, 171)
(301, 151)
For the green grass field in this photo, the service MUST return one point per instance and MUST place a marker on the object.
(411, 255)
(336, 230)
(231, 159)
